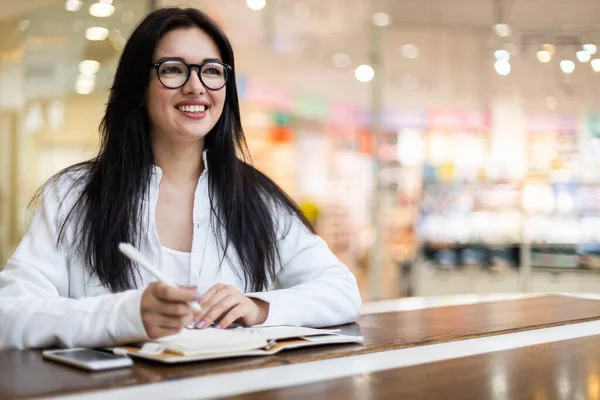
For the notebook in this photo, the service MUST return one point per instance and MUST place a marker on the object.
(211, 343)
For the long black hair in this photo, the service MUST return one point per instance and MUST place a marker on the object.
(110, 204)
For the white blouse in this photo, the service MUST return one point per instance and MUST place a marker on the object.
(48, 298)
(177, 265)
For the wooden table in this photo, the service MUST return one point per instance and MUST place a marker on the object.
(392, 340)
(567, 369)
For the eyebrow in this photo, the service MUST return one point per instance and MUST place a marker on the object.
(183, 60)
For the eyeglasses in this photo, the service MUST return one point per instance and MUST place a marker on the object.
(173, 74)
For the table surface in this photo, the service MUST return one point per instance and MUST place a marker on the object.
(568, 369)
(456, 331)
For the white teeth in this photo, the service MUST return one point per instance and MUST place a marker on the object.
(192, 109)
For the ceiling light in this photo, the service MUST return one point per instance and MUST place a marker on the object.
(96, 33)
(364, 73)
(502, 30)
(381, 19)
(341, 60)
(410, 51)
(89, 67)
(85, 84)
(23, 25)
(596, 64)
(256, 5)
(502, 55)
(590, 48)
(544, 56)
(102, 10)
(502, 67)
(583, 56)
(567, 66)
(86, 77)
(73, 5)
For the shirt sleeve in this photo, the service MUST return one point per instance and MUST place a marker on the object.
(35, 308)
(317, 289)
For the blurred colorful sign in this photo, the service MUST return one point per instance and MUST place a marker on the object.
(550, 123)
(593, 124)
(345, 115)
(406, 118)
(282, 118)
(268, 94)
(281, 134)
(458, 120)
(365, 141)
(309, 106)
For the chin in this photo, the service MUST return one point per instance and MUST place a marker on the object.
(193, 136)
(196, 132)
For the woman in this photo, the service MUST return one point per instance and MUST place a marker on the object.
(169, 178)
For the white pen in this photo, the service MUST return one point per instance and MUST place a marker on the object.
(139, 258)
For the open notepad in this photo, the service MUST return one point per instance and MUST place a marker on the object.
(211, 343)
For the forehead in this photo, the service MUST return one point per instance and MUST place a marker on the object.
(191, 44)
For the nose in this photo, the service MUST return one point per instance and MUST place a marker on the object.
(194, 86)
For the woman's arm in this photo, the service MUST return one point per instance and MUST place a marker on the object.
(35, 310)
(318, 290)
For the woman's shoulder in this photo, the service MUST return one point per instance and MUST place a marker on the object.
(66, 185)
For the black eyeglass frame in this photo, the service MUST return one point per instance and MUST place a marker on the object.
(227, 67)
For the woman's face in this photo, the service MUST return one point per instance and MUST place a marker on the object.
(188, 113)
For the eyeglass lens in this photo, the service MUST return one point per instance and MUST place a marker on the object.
(174, 74)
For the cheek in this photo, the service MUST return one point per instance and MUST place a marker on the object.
(219, 99)
(155, 103)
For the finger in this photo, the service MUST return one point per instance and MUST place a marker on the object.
(170, 322)
(219, 309)
(233, 315)
(162, 332)
(154, 330)
(154, 305)
(210, 303)
(173, 309)
(219, 295)
(209, 293)
(168, 293)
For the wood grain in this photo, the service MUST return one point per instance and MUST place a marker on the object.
(381, 331)
(568, 369)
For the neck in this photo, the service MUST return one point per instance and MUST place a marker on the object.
(179, 162)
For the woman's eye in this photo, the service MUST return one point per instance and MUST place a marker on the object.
(212, 71)
(172, 69)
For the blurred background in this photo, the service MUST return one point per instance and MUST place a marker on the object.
(439, 146)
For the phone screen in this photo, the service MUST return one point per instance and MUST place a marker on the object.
(87, 355)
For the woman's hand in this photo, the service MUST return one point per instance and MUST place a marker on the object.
(165, 310)
(224, 304)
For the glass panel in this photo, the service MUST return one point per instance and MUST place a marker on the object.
(56, 68)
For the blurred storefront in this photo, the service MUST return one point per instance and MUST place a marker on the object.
(56, 65)
(487, 174)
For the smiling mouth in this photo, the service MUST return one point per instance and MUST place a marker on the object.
(197, 109)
